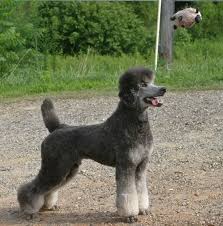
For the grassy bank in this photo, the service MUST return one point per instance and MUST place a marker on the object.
(197, 65)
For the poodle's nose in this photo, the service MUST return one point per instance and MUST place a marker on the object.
(162, 90)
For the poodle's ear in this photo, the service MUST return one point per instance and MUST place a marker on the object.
(128, 97)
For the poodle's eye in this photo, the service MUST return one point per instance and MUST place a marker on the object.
(143, 84)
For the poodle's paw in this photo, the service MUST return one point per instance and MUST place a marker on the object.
(30, 216)
(132, 219)
(53, 208)
(144, 212)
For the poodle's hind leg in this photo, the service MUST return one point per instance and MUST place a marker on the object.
(30, 200)
(41, 191)
(50, 199)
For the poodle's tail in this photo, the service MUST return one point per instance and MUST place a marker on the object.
(50, 118)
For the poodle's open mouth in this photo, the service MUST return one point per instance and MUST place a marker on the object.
(153, 101)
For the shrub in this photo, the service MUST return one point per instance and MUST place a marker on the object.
(106, 28)
(16, 37)
(10, 40)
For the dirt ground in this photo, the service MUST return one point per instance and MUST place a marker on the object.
(185, 175)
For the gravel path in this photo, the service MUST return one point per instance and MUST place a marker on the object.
(185, 176)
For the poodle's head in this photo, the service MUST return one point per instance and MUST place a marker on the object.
(136, 89)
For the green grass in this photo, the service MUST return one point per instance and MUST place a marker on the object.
(197, 65)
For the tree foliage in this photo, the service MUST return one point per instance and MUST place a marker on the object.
(107, 28)
(16, 35)
(10, 40)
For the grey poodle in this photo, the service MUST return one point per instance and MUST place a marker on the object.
(123, 141)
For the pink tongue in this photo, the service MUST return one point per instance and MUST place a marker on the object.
(155, 102)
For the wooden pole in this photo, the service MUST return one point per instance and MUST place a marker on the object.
(166, 32)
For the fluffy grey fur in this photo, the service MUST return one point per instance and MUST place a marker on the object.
(123, 141)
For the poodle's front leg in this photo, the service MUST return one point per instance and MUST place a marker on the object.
(127, 199)
(142, 188)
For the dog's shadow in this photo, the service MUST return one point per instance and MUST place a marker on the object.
(11, 216)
